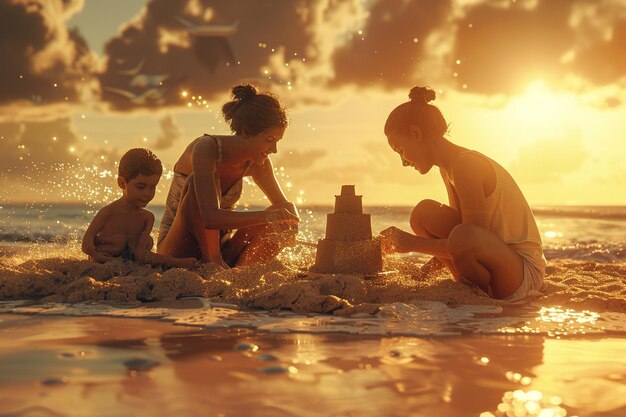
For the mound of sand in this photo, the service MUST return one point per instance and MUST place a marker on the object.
(277, 285)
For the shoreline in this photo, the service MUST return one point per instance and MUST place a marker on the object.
(417, 319)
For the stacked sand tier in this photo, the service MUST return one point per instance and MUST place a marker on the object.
(348, 246)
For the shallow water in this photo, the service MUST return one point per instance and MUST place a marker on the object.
(419, 318)
(110, 367)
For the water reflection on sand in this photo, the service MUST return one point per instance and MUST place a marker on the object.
(112, 367)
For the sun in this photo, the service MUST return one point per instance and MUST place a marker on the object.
(542, 112)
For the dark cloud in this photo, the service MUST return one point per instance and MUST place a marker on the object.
(170, 133)
(158, 45)
(488, 47)
(604, 61)
(43, 61)
(500, 46)
(502, 49)
(299, 159)
(390, 49)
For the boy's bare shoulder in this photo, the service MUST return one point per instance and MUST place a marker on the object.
(110, 208)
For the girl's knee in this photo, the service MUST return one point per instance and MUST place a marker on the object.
(462, 240)
(422, 212)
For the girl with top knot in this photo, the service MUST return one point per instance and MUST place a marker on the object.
(487, 233)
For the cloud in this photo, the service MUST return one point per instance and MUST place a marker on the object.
(299, 159)
(549, 160)
(49, 161)
(300, 48)
(499, 48)
(44, 62)
(378, 163)
(37, 149)
(296, 48)
(170, 133)
(604, 62)
(158, 44)
(306, 51)
(388, 50)
(41, 144)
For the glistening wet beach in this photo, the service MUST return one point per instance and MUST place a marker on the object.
(111, 367)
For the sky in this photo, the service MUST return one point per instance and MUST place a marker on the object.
(537, 85)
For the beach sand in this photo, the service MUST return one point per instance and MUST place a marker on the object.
(79, 366)
(49, 277)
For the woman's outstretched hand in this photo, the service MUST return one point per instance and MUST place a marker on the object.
(283, 218)
(281, 215)
(395, 240)
(284, 212)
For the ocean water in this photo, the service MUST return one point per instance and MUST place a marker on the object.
(592, 233)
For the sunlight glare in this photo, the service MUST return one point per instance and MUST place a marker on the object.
(541, 111)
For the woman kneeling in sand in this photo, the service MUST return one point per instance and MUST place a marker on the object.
(487, 235)
(199, 219)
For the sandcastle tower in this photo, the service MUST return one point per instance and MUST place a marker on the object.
(348, 246)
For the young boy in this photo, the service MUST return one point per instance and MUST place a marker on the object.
(122, 228)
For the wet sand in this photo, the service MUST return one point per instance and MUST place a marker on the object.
(69, 366)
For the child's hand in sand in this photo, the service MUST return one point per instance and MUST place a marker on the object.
(101, 257)
(395, 240)
(185, 263)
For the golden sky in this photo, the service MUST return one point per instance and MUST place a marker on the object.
(537, 85)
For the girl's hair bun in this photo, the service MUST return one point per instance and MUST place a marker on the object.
(242, 92)
(251, 112)
(421, 95)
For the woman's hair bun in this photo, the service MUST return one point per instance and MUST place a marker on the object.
(242, 92)
(421, 95)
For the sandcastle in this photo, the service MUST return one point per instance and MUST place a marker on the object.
(348, 246)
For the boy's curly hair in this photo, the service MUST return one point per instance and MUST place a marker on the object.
(139, 161)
